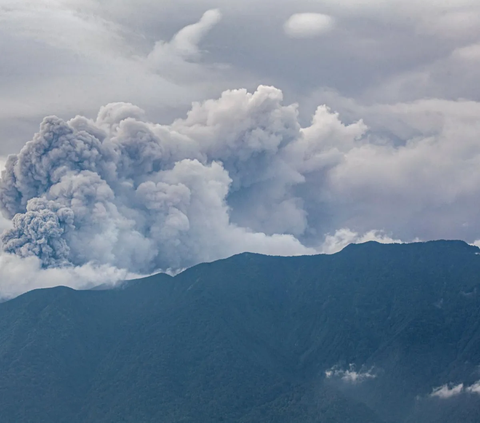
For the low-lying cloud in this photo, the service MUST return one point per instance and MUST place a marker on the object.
(350, 375)
(448, 391)
(19, 275)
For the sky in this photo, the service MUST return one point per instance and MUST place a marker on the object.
(152, 136)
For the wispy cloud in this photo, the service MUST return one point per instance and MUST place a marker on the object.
(447, 391)
(450, 390)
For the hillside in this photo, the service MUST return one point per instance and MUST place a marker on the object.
(252, 339)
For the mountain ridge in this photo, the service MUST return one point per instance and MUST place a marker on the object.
(250, 339)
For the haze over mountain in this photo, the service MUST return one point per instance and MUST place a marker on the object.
(376, 333)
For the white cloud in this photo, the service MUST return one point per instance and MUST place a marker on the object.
(473, 389)
(343, 237)
(2, 163)
(178, 59)
(308, 25)
(350, 375)
(19, 275)
(186, 41)
(448, 391)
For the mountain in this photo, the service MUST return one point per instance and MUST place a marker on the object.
(361, 336)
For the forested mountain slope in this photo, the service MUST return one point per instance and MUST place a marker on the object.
(361, 336)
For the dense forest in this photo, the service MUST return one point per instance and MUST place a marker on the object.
(373, 334)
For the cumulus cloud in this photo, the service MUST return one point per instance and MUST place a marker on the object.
(350, 375)
(308, 25)
(433, 138)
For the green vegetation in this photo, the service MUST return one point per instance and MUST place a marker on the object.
(248, 339)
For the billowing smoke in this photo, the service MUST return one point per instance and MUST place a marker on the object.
(127, 192)
(238, 173)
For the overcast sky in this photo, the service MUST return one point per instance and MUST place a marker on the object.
(71, 56)
(393, 155)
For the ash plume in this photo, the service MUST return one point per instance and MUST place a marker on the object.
(124, 191)
(238, 173)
